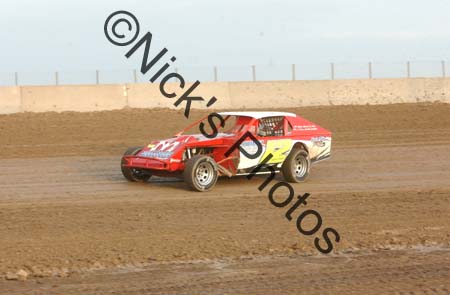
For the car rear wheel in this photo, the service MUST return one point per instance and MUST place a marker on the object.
(200, 173)
(133, 174)
(296, 166)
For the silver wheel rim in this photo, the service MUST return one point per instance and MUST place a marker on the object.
(300, 166)
(204, 174)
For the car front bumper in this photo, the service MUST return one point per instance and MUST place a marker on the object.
(151, 163)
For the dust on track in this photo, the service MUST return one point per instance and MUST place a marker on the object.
(65, 209)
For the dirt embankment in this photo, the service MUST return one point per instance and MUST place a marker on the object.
(108, 133)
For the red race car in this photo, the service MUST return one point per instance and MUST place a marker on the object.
(244, 143)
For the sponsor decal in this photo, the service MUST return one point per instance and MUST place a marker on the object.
(163, 149)
(304, 127)
(250, 146)
(156, 154)
(319, 141)
(165, 146)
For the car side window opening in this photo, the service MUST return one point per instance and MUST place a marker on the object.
(288, 128)
(271, 126)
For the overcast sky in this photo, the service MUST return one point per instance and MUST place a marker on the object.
(44, 35)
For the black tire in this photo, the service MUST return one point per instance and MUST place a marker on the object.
(200, 173)
(296, 166)
(133, 174)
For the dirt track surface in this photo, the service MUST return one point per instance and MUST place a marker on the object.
(65, 210)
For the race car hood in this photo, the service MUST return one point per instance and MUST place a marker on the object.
(164, 149)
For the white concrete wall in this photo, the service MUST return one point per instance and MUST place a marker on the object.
(79, 98)
(230, 95)
(10, 100)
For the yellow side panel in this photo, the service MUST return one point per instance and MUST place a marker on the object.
(279, 148)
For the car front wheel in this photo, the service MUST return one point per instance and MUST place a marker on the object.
(133, 174)
(200, 173)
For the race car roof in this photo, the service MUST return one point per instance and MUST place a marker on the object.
(258, 115)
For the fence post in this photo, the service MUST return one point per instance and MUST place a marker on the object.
(97, 76)
(444, 74)
(254, 72)
(332, 71)
(370, 70)
(408, 69)
(293, 72)
(135, 75)
(56, 78)
(16, 78)
(215, 73)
